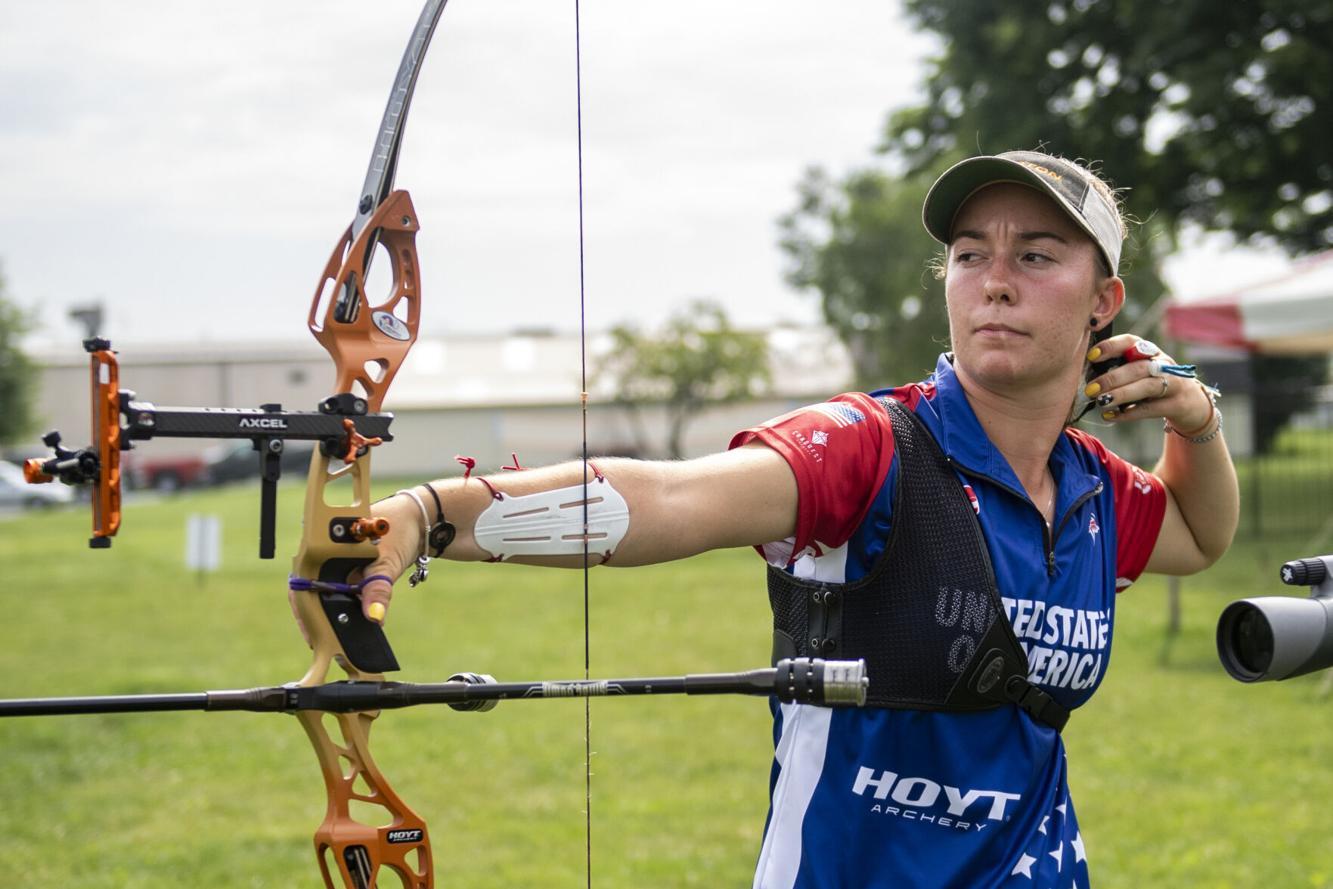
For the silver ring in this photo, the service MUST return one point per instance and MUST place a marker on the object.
(1165, 386)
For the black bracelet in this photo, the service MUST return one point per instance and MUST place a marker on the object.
(439, 537)
(442, 533)
(439, 507)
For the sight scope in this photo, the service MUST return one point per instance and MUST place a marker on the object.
(1278, 637)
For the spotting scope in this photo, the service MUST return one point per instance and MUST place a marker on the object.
(1278, 637)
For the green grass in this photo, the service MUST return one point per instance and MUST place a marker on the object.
(1182, 777)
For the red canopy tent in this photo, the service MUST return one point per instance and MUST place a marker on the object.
(1290, 314)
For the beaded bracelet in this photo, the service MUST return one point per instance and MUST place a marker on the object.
(1214, 411)
(419, 573)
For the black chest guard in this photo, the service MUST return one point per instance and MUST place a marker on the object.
(927, 618)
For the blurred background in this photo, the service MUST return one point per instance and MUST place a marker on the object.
(175, 176)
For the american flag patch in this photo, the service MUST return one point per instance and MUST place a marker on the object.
(841, 414)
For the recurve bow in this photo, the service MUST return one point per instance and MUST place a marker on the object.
(367, 343)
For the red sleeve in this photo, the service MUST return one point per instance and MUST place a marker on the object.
(840, 452)
(1140, 506)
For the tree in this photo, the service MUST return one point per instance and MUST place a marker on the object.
(860, 244)
(695, 360)
(1218, 113)
(1285, 384)
(18, 376)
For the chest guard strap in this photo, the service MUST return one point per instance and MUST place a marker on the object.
(927, 618)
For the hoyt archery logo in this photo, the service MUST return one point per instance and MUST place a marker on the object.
(405, 835)
(263, 423)
(931, 802)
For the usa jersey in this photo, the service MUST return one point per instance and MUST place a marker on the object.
(880, 798)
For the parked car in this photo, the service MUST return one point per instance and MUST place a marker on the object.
(15, 490)
(141, 468)
(233, 460)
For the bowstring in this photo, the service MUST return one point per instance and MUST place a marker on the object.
(583, 401)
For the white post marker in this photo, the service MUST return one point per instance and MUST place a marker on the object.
(203, 543)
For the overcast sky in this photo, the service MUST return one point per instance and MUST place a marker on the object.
(191, 165)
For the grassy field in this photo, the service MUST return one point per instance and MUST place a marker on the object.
(1182, 777)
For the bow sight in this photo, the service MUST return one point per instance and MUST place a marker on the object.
(342, 425)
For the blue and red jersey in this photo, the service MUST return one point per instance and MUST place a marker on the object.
(908, 798)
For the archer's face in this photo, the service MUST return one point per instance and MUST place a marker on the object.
(1022, 282)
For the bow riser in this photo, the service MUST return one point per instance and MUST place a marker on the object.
(357, 851)
(369, 343)
(349, 846)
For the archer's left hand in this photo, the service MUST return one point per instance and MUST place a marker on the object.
(1141, 388)
(397, 552)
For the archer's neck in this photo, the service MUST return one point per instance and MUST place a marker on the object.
(1023, 423)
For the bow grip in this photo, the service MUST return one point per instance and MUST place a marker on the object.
(362, 641)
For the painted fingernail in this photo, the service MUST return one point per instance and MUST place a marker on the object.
(1092, 389)
(1104, 399)
(1094, 353)
(376, 612)
(1109, 415)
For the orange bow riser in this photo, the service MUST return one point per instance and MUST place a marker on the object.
(368, 343)
(367, 350)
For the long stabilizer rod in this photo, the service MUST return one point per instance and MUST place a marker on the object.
(800, 680)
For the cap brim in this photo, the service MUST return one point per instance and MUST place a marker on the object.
(965, 178)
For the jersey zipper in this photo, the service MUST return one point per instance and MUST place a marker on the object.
(1048, 535)
(1064, 520)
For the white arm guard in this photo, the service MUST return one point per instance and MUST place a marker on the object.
(550, 523)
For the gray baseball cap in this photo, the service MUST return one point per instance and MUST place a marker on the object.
(1068, 184)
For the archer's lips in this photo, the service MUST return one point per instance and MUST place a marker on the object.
(999, 331)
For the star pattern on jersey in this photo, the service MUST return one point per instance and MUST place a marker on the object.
(1027, 862)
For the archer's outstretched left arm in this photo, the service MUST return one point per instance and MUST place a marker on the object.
(676, 509)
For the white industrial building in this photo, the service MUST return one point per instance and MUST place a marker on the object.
(484, 396)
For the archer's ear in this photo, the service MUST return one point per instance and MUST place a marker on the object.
(1108, 300)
